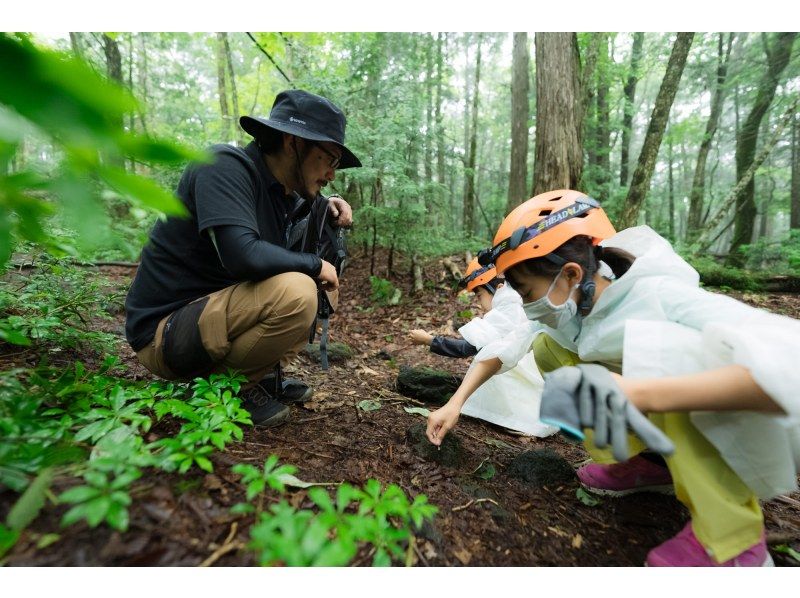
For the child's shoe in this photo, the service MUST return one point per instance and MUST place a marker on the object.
(637, 474)
(684, 550)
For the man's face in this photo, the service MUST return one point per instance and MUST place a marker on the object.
(318, 167)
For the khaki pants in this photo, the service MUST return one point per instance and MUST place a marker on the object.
(249, 327)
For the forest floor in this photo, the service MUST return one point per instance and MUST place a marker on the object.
(182, 520)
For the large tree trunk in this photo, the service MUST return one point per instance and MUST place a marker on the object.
(747, 141)
(640, 183)
(469, 198)
(794, 221)
(602, 136)
(627, 112)
(222, 89)
(114, 70)
(558, 160)
(698, 183)
(520, 89)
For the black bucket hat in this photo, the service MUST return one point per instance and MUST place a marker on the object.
(306, 115)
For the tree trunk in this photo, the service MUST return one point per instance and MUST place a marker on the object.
(132, 114)
(558, 161)
(640, 183)
(697, 193)
(747, 140)
(142, 72)
(440, 148)
(76, 42)
(603, 127)
(627, 114)
(429, 90)
(234, 95)
(114, 70)
(794, 221)
(671, 202)
(520, 89)
(227, 136)
(469, 198)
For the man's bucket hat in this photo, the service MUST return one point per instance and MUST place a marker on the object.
(306, 115)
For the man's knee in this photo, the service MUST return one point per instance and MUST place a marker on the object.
(296, 295)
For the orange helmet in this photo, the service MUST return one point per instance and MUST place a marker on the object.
(478, 275)
(539, 226)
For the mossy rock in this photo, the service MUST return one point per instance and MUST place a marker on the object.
(337, 352)
(450, 453)
(427, 384)
(541, 467)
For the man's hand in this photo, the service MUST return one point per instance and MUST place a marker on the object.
(340, 210)
(440, 422)
(328, 277)
(587, 396)
(420, 337)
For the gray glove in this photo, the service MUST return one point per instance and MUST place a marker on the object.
(587, 396)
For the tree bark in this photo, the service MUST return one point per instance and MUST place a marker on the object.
(696, 195)
(747, 140)
(469, 198)
(440, 148)
(234, 95)
(627, 115)
(222, 89)
(602, 138)
(558, 161)
(520, 90)
(76, 42)
(671, 185)
(794, 220)
(142, 84)
(114, 70)
(640, 183)
(429, 91)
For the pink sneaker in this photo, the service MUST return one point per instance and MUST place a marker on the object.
(637, 474)
(684, 550)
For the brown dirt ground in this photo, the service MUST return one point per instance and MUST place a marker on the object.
(182, 520)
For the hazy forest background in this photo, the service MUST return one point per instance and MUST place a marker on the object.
(696, 135)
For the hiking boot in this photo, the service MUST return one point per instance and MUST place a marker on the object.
(286, 390)
(684, 550)
(637, 474)
(264, 410)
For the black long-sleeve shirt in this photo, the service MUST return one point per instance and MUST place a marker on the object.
(452, 347)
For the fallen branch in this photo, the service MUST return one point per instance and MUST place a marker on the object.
(452, 268)
(227, 546)
(417, 270)
(474, 501)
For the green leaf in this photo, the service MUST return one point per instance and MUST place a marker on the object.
(418, 410)
(27, 508)
(242, 508)
(8, 537)
(369, 405)
(144, 190)
(79, 494)
(322, 499)
(486, 471)
(588, 499)
(117, 517)
(47, 540)
(785, 549)
(9, 335)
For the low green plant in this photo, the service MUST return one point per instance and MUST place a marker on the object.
(384, 292)
(101, 498)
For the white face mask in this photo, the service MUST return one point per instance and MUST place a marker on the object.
(555, 316)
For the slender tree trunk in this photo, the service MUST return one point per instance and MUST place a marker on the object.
(132, 114)
(640, 183)
(234, 95)
(671, 202)
(558, 161)
(520, 90)
(142, 72)
(627, 115)
(429, 90)
(696, 195)
(603, 129)
(227, 135)
(76, 41)
(747, 141)
(114, 70)
(794, 221)
(470, 196)
(440, 148)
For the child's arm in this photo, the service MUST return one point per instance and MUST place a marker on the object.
(420, 337)
(441, 421)
(452, 347)
(731, 388)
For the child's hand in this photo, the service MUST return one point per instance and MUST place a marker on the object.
(420, 337)
(440, 422)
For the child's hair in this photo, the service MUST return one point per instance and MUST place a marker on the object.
(580, 250)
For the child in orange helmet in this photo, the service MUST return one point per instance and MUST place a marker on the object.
(510, 400)
(717, 378)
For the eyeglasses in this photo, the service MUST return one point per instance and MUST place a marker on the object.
(335, 160)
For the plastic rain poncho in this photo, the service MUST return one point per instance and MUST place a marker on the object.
(510, 399)
(656, 321)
